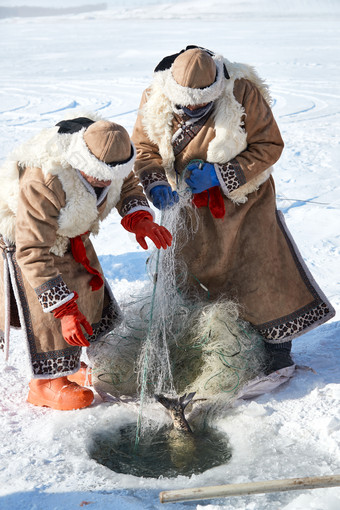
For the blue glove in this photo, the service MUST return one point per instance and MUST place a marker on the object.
(202, 177)
(162, 196)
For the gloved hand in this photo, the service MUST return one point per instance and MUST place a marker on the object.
(142, 224)
(71, 321)
(203, 176)
(162, 196)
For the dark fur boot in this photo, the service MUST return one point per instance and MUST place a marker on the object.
(278, 356)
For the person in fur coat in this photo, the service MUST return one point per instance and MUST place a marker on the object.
(206, 123)
(54, 191)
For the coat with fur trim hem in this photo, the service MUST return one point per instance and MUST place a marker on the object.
(51, 208)
(248, 255)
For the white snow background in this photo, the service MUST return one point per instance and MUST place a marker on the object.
(102, 60)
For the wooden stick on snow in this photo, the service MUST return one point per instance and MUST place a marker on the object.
(239, 489)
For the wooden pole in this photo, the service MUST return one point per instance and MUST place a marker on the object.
(239, 489)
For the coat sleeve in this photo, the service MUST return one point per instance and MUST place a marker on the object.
(264, 141)
(36, 230)
(148, 166)
(132, 197)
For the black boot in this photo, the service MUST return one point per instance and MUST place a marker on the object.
(278, 356)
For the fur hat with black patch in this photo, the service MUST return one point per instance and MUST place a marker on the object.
(191, 77)
(99, 148)
(83, 141)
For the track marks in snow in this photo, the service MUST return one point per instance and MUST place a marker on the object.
(46, 103)
(70, 106)
(294, 105)
(16, 108)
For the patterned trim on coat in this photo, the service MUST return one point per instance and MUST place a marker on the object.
(133, 203)
(289, 327)
(57, 365)
(43, 364)
(308, 317)
(111, 318)
(231, 174)
(53, 294)
(150, 180)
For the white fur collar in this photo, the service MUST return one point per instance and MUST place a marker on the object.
(79, 215)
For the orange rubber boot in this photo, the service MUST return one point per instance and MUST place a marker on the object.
(59, 393)
(83, 377)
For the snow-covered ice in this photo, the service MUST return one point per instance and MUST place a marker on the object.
(102, 60)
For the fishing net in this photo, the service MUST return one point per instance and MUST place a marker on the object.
(174, 342)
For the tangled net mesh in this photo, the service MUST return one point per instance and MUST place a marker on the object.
(173, 343)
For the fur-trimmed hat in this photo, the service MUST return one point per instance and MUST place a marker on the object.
(97, 148)
(193, 76)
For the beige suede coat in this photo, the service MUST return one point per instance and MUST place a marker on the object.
(249, 255)
(37, 269)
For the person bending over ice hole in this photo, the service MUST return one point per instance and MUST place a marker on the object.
(65, 180)
(208, 122)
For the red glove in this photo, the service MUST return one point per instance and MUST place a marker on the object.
(142, 224)
(211, 198)
(71, 321)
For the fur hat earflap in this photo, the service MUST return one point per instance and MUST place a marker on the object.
(100, 149)
(195, 76)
